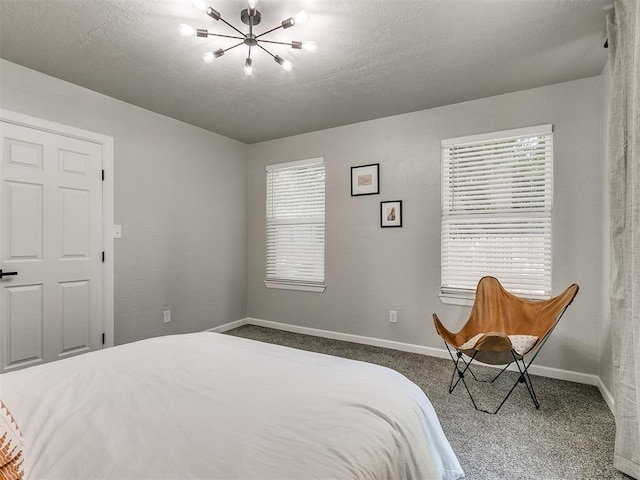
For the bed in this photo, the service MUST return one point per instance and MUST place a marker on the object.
(214, 406)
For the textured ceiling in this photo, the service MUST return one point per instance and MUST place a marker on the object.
(376, 57)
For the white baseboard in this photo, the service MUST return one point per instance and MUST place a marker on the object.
(228, 326)
(348, 337)
(549, 372)
(606, 394)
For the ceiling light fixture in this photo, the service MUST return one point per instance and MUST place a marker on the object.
(252, 17)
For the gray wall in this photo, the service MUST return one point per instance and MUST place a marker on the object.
(369, 269)
(180, 196)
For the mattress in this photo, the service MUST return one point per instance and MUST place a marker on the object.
(213, 406)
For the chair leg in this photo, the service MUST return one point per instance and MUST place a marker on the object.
(456, 368)
(501, 372)
(523, 378)
(526, 379)
(467, 367)
(469, 392)
(461, 373)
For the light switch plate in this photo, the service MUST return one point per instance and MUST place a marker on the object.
(117, 231)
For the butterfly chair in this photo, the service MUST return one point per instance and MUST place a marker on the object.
(503, 329)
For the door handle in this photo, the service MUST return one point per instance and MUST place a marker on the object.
(7, 274)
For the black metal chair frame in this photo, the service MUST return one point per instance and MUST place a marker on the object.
(523, 368)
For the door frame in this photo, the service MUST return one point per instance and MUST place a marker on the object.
(106, 143)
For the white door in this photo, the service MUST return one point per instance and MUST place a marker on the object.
(51, 252)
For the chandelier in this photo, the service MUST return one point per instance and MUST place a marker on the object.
(249, 16)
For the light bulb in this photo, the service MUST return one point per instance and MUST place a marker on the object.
(208, 57)
(253, 4)
(286, 64)
(200, 5)
(310, 46)
(301, 17)
(248, 68)
(187, 30)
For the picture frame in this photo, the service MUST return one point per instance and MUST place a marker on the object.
(391, 214)
(365, 180)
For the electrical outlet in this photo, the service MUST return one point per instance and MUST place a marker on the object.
(393, 316)
(167, 316)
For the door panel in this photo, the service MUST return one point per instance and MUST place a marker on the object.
(74, 162)
(75, 309)
(24, 309)
(74, 223)
(24, 221)
(51, 234)
(24, 154)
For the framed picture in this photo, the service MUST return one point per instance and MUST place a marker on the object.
(391, 213)
(365, 180)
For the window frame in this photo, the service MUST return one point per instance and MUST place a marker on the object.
(466, 296)
(271, 281)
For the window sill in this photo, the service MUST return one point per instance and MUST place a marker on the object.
(295, 286)
(457, 299)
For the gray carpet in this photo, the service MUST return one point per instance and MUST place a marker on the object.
(570, 437)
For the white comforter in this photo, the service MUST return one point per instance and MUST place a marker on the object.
(212, 406)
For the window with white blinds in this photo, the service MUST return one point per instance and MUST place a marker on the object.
(496, 211)
(295, 225)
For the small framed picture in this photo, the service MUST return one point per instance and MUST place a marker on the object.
(365, 180)
(391, 213)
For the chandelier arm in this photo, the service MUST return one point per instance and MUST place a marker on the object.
(241, 33)
(269, 31)
(233, 46)
(224, 36)
(278, 43)
(266, 50)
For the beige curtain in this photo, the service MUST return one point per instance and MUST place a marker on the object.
(624, 159)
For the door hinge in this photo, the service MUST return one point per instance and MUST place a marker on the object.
(103, 175)
(102, 257)
(103, 338)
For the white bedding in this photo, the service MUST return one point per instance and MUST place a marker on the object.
(212, 406)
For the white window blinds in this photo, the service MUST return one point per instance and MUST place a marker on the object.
(496, 211)
(295, 223)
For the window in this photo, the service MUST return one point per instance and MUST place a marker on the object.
(295, 225)
(496, 211)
